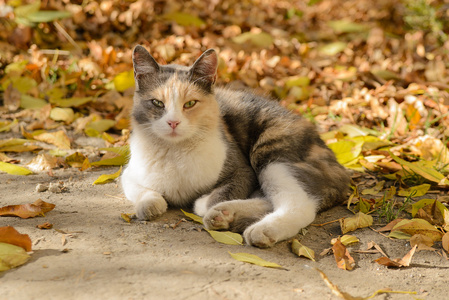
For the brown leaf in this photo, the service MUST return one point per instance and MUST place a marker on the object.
(445, 241)
(11, 98)
(431, 214)
(24, 211)
(423, 242)
(45, 225)
(11, 236)
(390, 225)
(342, 256)
(372, 244)
(335, 289)
(397, 263)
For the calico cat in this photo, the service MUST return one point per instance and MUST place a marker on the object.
(245, 163)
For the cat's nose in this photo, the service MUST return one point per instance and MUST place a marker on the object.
(173, 124)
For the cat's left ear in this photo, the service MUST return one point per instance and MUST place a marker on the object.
(205, 67)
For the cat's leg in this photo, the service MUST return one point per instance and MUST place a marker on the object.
(149, 204)
(236, 215)
(293, 207)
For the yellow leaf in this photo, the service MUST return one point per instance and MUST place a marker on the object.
(254, 259)
(115, 161)
(260, 39)
(62, 114)
(184, 19)
(11, 256)
(124, 80)
(226, 237)
(75, 160)
(31, 102)
(14, 169)
(16, 145)
(374, 190)
(302, 250)
(105, 178)
(71, 102)
(360, 220)
(332, 48)
(58, 138)
(346, 240)
(193, 217)
(418, 226)
(6, 126)
(414, 191)
(445, 241)
(346, 151)
(95, 128)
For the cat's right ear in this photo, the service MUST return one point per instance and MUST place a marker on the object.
(143, 62)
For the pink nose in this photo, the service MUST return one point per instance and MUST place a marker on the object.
(173, 124)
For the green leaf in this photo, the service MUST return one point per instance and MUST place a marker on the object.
(31, 102)
(23, 84)
(115, 161)
(226, 237)
(25, 10)
(302, 250)
(124, 80)
(332, 48)
(424, 169)
(193, 217)
(71, 102)
(297, 81)
(415, 191)
(101, 126)
(14, 169)
(260, 39)
(345, 26)
(43, 16)
(184, 19)
(105, 178)
(385, 74)
(11, 256)
(254, 259)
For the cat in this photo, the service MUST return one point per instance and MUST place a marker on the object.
(245, 163)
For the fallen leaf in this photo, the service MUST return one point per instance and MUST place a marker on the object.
(58, 138)
(24, 211)
(118, 160)
(423, 242)
(14, 169)
(390, 225)
(45, 225)
(29, 102)
(418, 226)
(184, 19)
(11, 256)
(415, 191)
(127, 217)
(226, 237)
(62, 114)
(10, 235)
(360, 220)
(75, 160)
(372, 244)
(17, 145)
(342, 256)
(374, 190)
(430, 210)
(346, 240)
(345, 26)
(397, 263)
(43, 162)
(123, 81)
(105, 178)
(302, 250)
(445, 241)
(259, 39)
(254, 259)
(71, 102)
(193, 217)
(332, 48)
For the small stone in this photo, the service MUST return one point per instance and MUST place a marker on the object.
(56, 187)
(41, 187)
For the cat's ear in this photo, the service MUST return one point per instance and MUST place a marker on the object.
(143, 62)
(205, 67)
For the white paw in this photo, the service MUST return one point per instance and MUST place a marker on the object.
(260, 235)
(219, 217)
(201, 205)
(150, 206)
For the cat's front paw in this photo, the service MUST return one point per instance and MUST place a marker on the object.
(260, 235)
(150, 207)
(218, 217)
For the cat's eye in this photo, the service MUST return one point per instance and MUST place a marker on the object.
(190, 104)
(158, 103)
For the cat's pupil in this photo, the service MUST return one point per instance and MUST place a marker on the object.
(158, 103)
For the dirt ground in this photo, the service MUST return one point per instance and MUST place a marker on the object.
(103, 257)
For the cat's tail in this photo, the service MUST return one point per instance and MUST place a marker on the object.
(288, 187)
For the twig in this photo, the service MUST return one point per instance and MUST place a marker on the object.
(68, 37)
(179, 222)
(381, 233)
(320, 225)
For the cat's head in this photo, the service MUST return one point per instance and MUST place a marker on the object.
(175, 103)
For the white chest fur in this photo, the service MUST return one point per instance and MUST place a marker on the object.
(180, 174)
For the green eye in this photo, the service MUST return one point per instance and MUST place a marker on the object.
(158, 103)
(190, 104)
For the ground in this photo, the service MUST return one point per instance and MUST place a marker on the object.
(100, 256)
